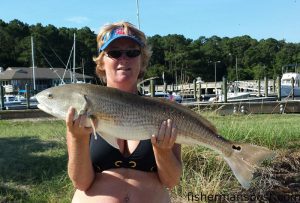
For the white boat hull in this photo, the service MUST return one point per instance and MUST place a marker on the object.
(286, 90)
(230, 96)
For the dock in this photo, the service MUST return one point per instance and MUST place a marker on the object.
(210, 87)
(248, 107)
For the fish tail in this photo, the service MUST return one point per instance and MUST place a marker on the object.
(244, 159)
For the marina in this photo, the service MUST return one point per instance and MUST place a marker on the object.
(246, 102)
(255, 96)
(268, 89)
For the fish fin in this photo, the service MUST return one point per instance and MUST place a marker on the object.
(84, 111)
(93, 125)
(82, 99)
(110, 140)
(85, 105)
(244, 159)
(82, 122)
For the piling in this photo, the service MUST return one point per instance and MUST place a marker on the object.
(199, 92)
(258, 82)
(293, 88)
(225, 89)
(274, 85)
(266, 87)
(278, 88)
(165, 87)
(152, 88)
(2, 107)
(27, 88)
(195, 88)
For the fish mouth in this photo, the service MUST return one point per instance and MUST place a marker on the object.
(52, 111)
(44, 108)
(41, 105)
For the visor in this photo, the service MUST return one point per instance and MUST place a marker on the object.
(118, 33)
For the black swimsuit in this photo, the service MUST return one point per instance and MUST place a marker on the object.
(104, 156)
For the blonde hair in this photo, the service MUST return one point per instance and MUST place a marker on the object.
(128, 29)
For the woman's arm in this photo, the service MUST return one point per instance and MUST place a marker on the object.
(167, 154)
(80, 167)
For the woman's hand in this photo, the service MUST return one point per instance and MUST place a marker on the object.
(74, 127)
(166, 136)
(80, 167)
(167, 154)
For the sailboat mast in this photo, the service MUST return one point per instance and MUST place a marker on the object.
(138, 13)
(74, 53)
(33, 66)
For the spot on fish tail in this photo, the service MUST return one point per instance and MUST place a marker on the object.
(238, 148)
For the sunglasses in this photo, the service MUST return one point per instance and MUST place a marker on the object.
(118, 53)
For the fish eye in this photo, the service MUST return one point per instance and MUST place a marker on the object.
(50, 96)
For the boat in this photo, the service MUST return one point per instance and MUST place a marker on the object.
(286, 84)
(11, 100)
(18, 102)
(231, 96)
(173, 96)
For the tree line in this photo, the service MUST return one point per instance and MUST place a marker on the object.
(175, 58)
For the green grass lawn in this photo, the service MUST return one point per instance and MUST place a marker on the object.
(33, 156)
(33, 161)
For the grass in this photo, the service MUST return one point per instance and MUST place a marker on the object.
(273, 131)
(205, 172)
(33, 161)
(33, 156)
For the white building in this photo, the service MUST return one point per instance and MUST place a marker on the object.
(17, 77)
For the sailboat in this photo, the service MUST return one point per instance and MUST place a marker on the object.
(73, 72)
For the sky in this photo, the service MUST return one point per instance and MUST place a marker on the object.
(260, 19)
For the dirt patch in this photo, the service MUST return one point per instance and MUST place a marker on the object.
(279, 181)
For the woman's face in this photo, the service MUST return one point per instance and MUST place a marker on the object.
(122, 71)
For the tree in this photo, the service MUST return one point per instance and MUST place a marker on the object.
(179, 58)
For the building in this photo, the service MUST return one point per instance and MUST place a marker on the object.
(15, 78)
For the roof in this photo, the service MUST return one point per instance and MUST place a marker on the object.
(289, 76)
(24, 73)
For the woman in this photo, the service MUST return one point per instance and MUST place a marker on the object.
(139, 171)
